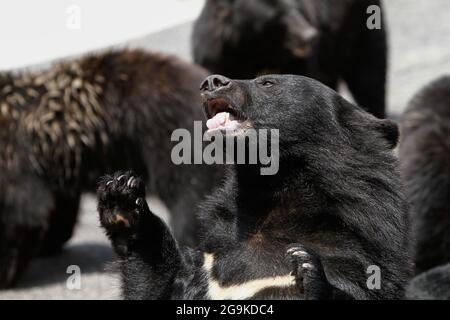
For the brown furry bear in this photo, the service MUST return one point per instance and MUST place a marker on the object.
(61, 129)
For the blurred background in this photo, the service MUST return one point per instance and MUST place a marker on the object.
(34, 33)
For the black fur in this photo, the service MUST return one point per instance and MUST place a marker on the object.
(25, 203)
(336, 201)
(327, 40)
(425, 159)
(63, 128)
(433, 284)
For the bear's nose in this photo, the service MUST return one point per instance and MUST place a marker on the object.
(214, 82)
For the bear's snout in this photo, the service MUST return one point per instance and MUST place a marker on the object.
(214, 83)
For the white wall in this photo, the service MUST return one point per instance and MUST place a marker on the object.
(35, 31)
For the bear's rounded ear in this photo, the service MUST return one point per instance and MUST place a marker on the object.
(389, 130)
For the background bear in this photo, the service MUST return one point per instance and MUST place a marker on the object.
(328, 40)
(425, 158)
(335, 208)
(61, 129)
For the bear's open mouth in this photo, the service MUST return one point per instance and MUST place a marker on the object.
(223, 116)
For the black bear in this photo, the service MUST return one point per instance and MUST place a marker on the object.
(425, 160)
(328, 40)
(63, 128)
(326, 225)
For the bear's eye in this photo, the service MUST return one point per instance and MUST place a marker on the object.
(267, 83)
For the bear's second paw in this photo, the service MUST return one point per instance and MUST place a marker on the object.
(308, 272)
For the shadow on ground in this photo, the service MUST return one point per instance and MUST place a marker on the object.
(90, 258)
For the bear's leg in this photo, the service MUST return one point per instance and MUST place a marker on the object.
(365, 67)
(149, 255)
(24, 206)
(62, 220)
(18, 245)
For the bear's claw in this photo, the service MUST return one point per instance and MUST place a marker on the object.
(308, 272)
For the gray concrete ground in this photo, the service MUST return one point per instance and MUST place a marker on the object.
(419, 52)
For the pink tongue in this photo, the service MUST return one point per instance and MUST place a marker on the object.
(217, 121)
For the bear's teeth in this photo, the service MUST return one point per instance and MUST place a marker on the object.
(226, 118)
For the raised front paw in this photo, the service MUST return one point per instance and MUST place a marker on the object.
(121, 202)
(308, 272)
